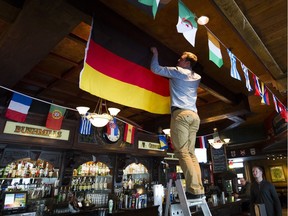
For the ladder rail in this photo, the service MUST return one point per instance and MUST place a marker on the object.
(185, 204)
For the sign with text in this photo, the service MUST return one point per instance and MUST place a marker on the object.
(149, 145)
(219, 160)
(21, 129)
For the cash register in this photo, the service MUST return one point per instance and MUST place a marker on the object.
(15, 204)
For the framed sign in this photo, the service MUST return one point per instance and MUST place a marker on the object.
(219, 159)
(277, 174)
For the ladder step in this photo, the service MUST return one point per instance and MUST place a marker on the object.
(185, 204)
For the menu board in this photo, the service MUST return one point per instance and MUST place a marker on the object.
(219, 159)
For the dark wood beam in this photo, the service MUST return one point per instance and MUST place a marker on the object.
(37, 30)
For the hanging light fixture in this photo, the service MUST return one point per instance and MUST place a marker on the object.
(166, 131)
(98, 118)
(216, 142)
(203, 20)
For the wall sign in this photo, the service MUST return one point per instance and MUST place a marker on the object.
(21, 129)
(219, 160)
(149, 145)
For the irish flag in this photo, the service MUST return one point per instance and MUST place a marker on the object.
(214, 50)
(117, 68)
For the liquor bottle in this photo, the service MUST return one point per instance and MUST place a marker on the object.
(110, 206)
(9, 175)
(64, 194)
(46, 170)
(60, 194)
(56, 188)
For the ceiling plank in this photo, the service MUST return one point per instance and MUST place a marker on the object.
(233, 13)
(36, 21)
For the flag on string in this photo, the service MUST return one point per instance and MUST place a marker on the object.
(214, 50)
(18, 107)
(187, 24)
(129, 133)
(257, 86)
(245, 70)
(128, 80)
(275, 103)
(85, 126)
(163, 142)
(55, 117)
(202, 142)
(153, 3)
(264, 95)
(283, 111)
(233, 71)
(112, 128)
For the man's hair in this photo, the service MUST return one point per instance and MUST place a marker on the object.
(260, 168)
(192, 58)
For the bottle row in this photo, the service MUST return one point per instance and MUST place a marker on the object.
(28, 169)
(90, 183)
(92, 169)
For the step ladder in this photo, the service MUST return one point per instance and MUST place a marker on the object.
(183, 209)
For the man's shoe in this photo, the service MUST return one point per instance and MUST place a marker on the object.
(193, 196)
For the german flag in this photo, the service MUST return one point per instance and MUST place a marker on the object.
(116, 68)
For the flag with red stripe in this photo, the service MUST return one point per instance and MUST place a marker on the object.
(114, 70)
(112, 127)
(202, 142)
(283, 111)
(18, 107)
(129, 133)
(257, 86)
(55, 117)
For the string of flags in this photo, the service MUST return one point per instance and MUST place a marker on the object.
(20, 104)
(187, 25)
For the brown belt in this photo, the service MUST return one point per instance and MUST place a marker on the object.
(173, 108)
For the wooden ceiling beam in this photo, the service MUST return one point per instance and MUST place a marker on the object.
(233, 13)
(36, 31)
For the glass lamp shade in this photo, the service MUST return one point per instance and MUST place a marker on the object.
(99, 120)
(166, 131)
(226, 140)
(82, 110)
(113, 111)
(203, 20)
(217, 145)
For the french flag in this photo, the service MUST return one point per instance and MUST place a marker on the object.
(18, 107)
(202, 142)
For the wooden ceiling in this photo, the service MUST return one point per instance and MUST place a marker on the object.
(42, 49)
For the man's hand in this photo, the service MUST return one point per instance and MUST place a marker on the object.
(154, 50)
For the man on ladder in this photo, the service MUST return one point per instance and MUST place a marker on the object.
(184, 118)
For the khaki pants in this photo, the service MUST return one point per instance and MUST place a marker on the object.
(184, 126)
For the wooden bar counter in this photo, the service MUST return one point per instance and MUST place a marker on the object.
(227, 209)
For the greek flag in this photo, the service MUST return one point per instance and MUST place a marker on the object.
(245, 70)
(234, 73)
(85, 126)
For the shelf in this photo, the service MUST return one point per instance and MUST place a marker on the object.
(28, 178)
(93, 176)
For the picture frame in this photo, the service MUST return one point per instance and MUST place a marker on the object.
(277, 174)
